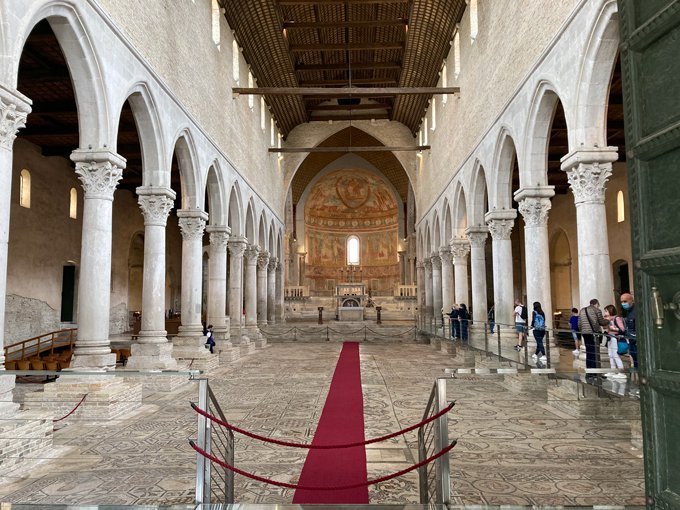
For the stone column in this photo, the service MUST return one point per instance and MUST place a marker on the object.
(420, 269)
(188, 345)
(236, 245)
(99, 171)
(429, 310)
(588, 170)
(278, 309)
(500, 225)
(250, 289)
(477, 237)
(217, 283)
(460, 250)
(153, 351)
(262, 264)
(271, 290)
(447, 278)
(534, 204)
(402, 267)
(436, 287)
(14, 108)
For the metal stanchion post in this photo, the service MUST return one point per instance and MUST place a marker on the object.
(547, 347)
(498, 334)
(327, 339)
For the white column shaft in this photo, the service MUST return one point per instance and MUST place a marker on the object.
(250, 288)
(428, 291)
(594, 266)
(236, 246)
(192, 226)
(278, 312)
(436, 287)
(5, 206)
(447, 279)
(217, 283)
(478, 270)
(262, 264)
(271, 290)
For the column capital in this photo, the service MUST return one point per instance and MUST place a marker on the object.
(14, 108)
(279, 267)
(427, 264)
(445, 255)
(535, 210)
(156, 204)
(219, 236)
(99, 172)
(436, 262)
(477, 236)
(588, 170)
(460, 250)
(263, 260)
(250, 255)
(500, 223)
(192, 224)
(273, 261)
(237, 245)
(419, 264)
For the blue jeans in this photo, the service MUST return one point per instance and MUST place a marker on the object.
(539, 335)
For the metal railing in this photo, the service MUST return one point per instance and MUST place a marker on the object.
(39, 344)
(214, 483)
(435, 477)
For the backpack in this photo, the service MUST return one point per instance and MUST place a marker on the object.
(524, 315)
(539, 322)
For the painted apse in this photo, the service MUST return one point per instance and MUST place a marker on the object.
(351, 202)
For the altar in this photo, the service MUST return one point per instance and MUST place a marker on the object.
(351, 298)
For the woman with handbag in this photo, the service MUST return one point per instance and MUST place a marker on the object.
(616, 344)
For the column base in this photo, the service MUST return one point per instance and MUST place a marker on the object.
(93, 360)
(582, 401)
(107, 398)
(228, 353)
(190, 352)
(220, 333)
(25, 438)
(151, 356)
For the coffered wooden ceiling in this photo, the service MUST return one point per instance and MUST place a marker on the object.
(345, 43)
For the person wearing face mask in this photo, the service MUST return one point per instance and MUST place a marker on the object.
(590, 322)
(628, 305)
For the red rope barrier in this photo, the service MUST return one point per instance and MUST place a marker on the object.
(319, 447)
(72, 410)
(338, 488)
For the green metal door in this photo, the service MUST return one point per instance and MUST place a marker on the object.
(650, 59)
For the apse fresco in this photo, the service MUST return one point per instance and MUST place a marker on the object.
(346, 202)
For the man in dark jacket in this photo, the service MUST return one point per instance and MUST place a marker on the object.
(628, 305)
(590, 322)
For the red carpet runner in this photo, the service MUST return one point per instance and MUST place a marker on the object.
(342, 421)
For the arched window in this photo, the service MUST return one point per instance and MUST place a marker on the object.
(251, 98)
(272, 130)
(353, 251)
(235, 62)
(263, 114)
(474, 28)
(445, 82)
(25, 189)
(73, 207)
(456, 54)
(216, 14)
(620, 207)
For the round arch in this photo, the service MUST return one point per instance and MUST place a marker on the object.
(185, 151)
(214, 189)
(234, 211)
(504, 156)
(479, 195)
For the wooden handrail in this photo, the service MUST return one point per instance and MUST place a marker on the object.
(40, 345)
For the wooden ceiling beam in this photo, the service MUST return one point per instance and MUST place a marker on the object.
(340, 83)
(362, 106)
(300, 48)
(344, 92)
(331, 2)
(345, 67)
(345, 24)
(365, 116)
(380, 148)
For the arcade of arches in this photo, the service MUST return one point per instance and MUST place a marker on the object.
(141, 200)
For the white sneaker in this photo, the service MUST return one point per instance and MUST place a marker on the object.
(619, 376)
(575, 352)
(610, 374)
(543, 358)
(533, 356)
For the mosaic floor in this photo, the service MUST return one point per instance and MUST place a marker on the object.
(513, 448)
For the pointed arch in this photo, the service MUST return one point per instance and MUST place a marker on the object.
(597, 67)
(272, 234)
(185, 150)
(460, 214)
(436, 234)
(479, 195)
(82, 59)
(504, 156)
(145, 114)
(279, 244)
(250, 231)
(262, 233)
(448, 223)
(217, 199)
(234, 210)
